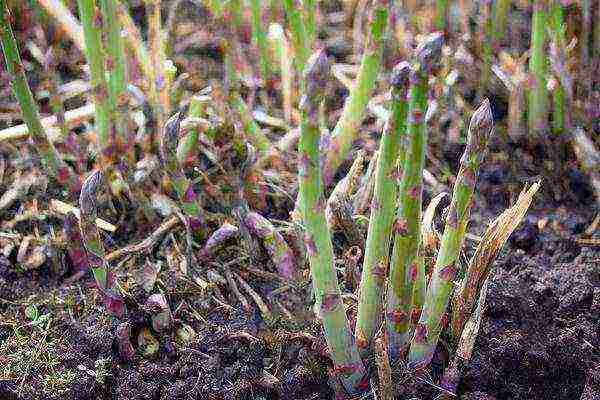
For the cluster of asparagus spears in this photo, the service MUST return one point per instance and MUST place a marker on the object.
(396, 291)
(415, 304)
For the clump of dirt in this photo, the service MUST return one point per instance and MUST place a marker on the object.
(541, 334)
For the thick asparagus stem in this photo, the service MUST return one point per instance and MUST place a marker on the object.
(346, 129)
(300, 40)
(375, 264)
(500, 12)
(429, 327)
(96, 254)
(281, 49)
(558, 94)
(58, 168)
(310, 10)
(317, 235)
(441, 14)
(404, 265)
(91, 19)
(117, 79)
(538, 94)
(260, 37)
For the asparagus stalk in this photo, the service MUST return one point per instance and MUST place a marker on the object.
(117, 80)
(237, 103)
(58, 168)
(405, 268)
(375, 262)
(441, 14)
(187, 147)
(538, 94)
(96, 254)
(260, 37)
(558, 94)
(317, 235)
(353, 113)
(276, 246)
(91, 19)
(281, 50)
(310, 10)
(500, 12)
(159, 87)
(429, 327)
(300, 39)
(182, 185)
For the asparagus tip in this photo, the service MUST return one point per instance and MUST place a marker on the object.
(170, 135)
(400, 77)
(481, 125)
(316, 72)
(429, 51)
(89, 190)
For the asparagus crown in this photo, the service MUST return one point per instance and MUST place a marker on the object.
(89, 192)
(400, 80)
(429, 52)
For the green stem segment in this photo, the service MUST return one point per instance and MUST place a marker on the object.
(538, 93)
(348, 365)
(300, 39)
(255, 135)
(260, 37)
(499, 20)
(405, 268)
(441, 14)
(91, 19)
(29, 108)
(310, 10)
(117, 80)
(558, 94)
(375, 264)
(430, 325)
(353, 113)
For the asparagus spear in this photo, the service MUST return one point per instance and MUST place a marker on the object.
(346, 129)
(91, 19)
(405, 268)
(260, 37)
(182, 185)
(117, 80)
(96, 254)
(29, 108)
(300, 39)
(375, 262)
(317, 235)
(538, 94)
(428, 329)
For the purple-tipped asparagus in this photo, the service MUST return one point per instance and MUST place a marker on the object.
(182, 185)
(429, 327)
(96, 254)
(348, 366)
(274, 243)
(375, 264)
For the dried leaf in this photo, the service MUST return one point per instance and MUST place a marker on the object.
(480, 265)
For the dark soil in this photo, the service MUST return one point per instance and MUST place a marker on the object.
(540, 337)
